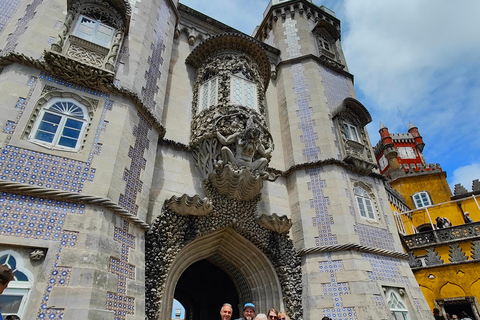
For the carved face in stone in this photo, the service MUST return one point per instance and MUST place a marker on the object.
(252, 134)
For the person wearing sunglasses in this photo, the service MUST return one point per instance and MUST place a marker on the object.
(272, 314)
(283, 316)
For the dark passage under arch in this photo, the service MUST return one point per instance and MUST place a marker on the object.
(202, 290)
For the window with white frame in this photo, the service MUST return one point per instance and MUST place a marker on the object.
(396, 303)
(243, 91)
(421, 199)
(94, 31)
(208, 91)
(14, 298)
(364, 202)
(60, 125)
(351, 132)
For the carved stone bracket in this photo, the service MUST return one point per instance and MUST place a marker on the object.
(186, 205)
(275, 223)
(236, 183)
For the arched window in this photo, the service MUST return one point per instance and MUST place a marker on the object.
(397, 305)
(14, 298)
(243, 91)
(60, 125)
(421, 199)
(364, 202)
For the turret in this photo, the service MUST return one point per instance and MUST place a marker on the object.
(419, 144)
(390, 151)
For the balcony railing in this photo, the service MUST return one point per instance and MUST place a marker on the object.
(437, 237)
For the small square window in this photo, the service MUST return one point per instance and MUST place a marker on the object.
(94, 31)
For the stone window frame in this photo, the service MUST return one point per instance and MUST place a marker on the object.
(369, 195)
(397, 302)
(17, 287)
(420, 198)
(74, 47)
(326, 37)
(230, 64)
(351, 113)
(44, 103)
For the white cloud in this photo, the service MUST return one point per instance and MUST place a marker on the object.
(465, 175)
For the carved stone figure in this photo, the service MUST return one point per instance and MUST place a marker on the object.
(247, 145)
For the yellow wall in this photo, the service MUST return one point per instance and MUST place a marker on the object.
(435, 183)
(451, 281)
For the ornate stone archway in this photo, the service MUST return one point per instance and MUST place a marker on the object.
(249, 268)
(255, 251)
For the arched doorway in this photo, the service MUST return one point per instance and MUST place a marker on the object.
(250, 271)
(203, 288)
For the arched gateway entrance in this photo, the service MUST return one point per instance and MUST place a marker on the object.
(248, 276)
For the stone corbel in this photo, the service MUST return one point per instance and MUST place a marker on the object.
(275, 223)
(186, 205)
(192, 36)
(273, 71)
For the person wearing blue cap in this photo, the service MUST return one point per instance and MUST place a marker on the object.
(248, 311)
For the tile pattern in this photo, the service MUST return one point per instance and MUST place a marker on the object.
(34, 218)
(21, 26)
(11, 125)
(320, 203)
(385, 269)
(336, 290)
(381, 304)
(370, 236)
(121, 304)
(336, 87)
(309, 137)
(7, 9)
(41, 169)
(156, 60)
(132, 176)
(42, 219)
(45, 170)
(291, 38)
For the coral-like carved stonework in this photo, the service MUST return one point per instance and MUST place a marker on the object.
(236, 182)
(186, 205)
(78, 72)
(86, 56)
(275, 223)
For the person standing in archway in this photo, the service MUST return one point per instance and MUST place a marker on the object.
(248, 311)
(226, 311)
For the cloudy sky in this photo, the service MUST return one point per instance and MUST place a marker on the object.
(413, 60)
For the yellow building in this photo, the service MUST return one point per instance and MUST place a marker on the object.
(445, 261)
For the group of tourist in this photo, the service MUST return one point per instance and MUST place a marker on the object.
(445, 223)
(249, 313)
(437, 316)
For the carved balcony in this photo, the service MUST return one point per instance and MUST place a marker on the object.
(469, 231)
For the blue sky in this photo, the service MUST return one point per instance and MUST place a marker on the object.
(412, 60)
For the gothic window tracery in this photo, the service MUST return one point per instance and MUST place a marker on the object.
(15, 296)
(396, 303)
